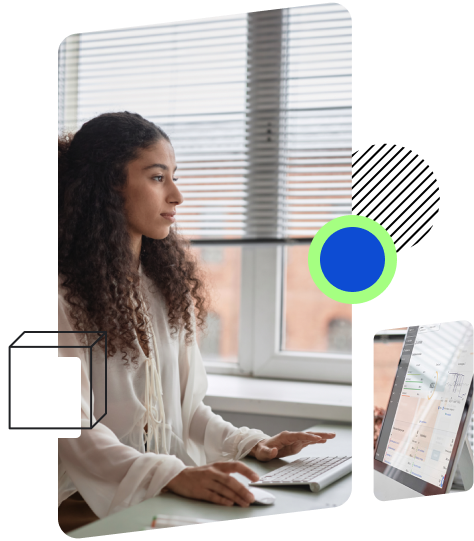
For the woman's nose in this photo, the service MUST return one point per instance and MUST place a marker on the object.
(175, 196)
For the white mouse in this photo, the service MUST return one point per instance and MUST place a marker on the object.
(262, 497)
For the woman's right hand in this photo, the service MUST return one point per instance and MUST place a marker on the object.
(213, 483)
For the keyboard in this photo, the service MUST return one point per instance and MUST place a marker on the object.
(318, 472)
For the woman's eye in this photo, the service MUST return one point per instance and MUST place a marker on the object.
(161, 176)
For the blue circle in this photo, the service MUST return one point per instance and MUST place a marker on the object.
(352, 259)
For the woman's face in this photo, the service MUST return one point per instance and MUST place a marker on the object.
(151, 195)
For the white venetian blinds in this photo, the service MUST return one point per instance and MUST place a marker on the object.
(257, 107)
(318, 118)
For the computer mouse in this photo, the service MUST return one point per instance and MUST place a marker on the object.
(262, 497)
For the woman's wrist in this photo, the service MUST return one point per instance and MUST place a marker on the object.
(253, 451)
(172, 482)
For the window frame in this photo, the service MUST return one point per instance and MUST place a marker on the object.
(260, 328)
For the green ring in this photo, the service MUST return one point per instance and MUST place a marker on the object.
(352, 297)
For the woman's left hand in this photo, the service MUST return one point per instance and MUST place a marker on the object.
(286, 444)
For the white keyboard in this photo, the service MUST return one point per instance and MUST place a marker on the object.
(318, 472)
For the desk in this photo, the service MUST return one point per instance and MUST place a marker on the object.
(288, 499)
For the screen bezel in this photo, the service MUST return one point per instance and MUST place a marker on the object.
(410, 481)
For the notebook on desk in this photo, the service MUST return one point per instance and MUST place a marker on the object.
(317, 472)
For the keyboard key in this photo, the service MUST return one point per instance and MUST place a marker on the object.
(303, 470)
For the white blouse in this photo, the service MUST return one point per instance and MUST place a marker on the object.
(108, 465)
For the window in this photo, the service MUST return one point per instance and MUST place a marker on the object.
(311, 321)
(220, 344)
(212, 254)
(340, 335)
(211, 343)
(258, 108)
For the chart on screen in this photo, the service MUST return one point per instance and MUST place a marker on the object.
(432, 383)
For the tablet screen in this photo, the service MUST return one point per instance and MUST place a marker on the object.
(427, 401)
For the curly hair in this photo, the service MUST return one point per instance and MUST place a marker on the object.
(95, 257)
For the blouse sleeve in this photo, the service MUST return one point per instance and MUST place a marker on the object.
(109, 475)
(222, 441)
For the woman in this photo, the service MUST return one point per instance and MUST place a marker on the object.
(124, 271)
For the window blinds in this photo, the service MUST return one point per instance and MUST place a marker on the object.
(257, 107)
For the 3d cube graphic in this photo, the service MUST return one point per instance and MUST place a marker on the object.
(44, 377)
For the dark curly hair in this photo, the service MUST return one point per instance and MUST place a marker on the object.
(95, 256)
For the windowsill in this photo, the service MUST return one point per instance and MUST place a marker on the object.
(322, 401)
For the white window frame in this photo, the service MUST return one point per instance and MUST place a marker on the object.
(260, 327)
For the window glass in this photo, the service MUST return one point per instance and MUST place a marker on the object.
(222, 265)
(311, 321)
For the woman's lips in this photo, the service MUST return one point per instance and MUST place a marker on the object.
(169, 216)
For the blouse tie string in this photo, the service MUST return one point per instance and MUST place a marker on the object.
(155, 416)
(156, 420)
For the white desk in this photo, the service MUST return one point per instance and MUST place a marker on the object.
(288, 499)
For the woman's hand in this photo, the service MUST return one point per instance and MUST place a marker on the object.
(286, 444)
(213, 483)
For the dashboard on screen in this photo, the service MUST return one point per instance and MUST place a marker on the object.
(428, 402)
